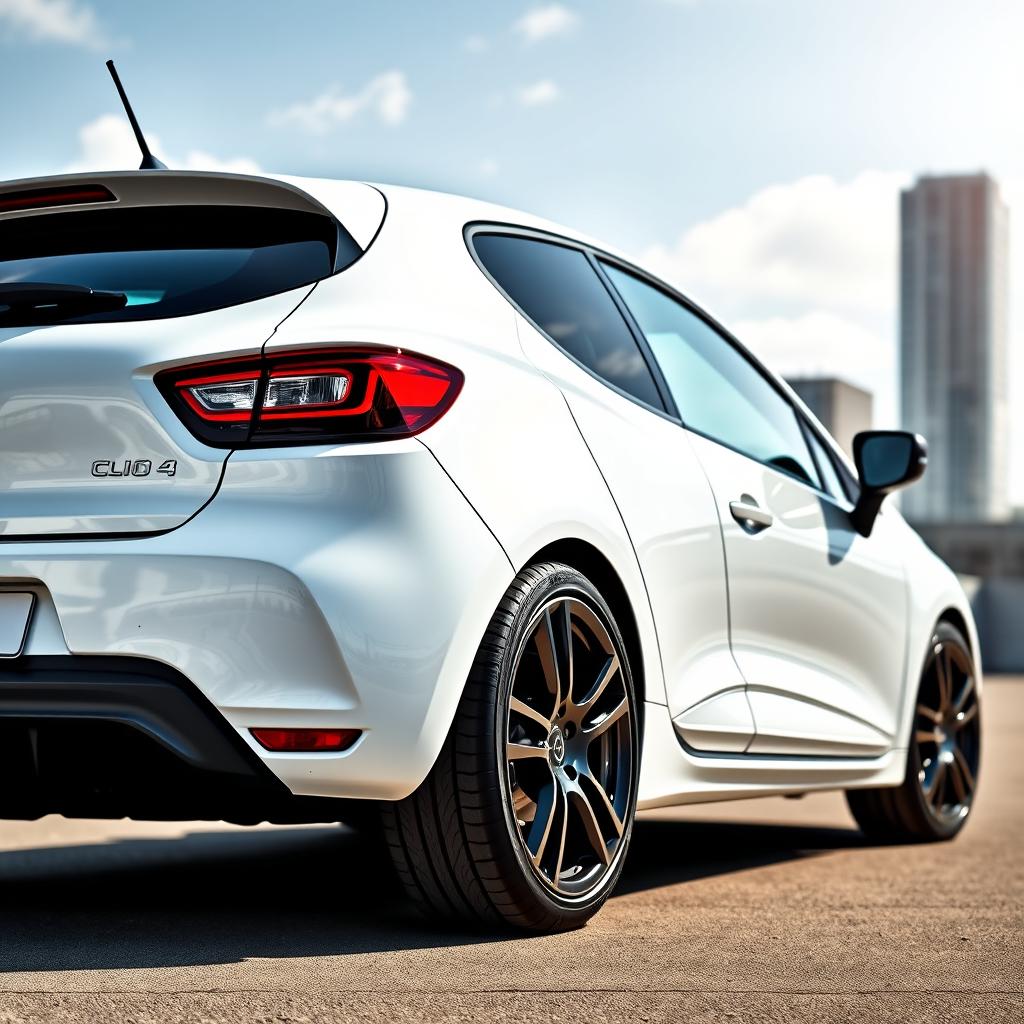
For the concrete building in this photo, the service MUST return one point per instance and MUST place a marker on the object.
(844, 410)
(953, 345)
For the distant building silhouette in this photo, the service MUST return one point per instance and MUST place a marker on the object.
(843, 409)
(953, 345)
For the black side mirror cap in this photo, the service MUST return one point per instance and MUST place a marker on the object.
(886, 460)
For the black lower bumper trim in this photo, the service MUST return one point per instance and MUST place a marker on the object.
(97, 736)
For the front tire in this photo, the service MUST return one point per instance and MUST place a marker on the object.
(937, 793)
(526, 817)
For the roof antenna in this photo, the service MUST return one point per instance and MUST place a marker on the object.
(149, 162)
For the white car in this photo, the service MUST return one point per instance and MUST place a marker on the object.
(319, 498)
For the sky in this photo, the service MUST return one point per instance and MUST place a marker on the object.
(751, 151)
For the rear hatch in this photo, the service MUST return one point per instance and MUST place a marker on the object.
(104, 281)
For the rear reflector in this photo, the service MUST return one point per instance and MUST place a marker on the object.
(67, 195)
(319, 396)
(296, 741)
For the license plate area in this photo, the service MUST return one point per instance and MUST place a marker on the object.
(15, 616)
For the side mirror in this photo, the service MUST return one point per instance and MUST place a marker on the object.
(886, 460)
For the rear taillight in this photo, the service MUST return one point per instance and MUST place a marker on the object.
(323, 396)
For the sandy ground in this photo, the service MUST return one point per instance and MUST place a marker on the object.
(767, 910)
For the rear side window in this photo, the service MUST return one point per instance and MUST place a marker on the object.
(165, 261)
(558, 289)
(719, 392)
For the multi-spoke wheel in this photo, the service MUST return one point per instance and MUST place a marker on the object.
(526, 816)
(569, 747)
(945, 750)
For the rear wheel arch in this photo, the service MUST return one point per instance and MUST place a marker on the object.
(592, 563)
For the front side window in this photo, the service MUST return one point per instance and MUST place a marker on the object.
(718, 391)
(558, 289)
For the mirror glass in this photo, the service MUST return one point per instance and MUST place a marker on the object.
(885, 460)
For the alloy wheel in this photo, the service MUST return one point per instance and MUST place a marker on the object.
(569, 748)
(947, 733)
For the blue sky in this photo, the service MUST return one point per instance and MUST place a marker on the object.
(750, 150)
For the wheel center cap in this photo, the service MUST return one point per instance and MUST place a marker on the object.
(556, 746)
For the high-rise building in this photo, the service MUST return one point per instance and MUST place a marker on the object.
(844, 410)
(953, 345)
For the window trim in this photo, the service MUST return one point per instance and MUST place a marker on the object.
(474, 228)
(597, 257)
(843, 501)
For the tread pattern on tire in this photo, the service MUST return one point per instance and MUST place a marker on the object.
(448, 839)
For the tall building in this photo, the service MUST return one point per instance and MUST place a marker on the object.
(953, 345)
(844, 410)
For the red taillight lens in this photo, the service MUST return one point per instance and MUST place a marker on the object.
(65, 195)
(294, 741)
(317, 397)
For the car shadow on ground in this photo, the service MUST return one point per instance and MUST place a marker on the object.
(222, 897)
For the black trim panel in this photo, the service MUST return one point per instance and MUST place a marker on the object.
(114, 737)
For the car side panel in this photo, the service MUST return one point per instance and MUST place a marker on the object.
(669, 511)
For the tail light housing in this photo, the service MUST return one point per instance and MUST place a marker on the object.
(320, 396)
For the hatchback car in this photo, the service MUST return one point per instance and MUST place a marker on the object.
(320, 499)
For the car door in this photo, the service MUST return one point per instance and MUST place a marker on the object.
(574, 330)
(817, 612)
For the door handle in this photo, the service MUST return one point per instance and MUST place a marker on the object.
(750, 515)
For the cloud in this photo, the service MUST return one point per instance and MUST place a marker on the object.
(387, 97)
(540, 93)
(821, 344)
(57, 21)
(812, 243)
(806, 274)
(108, 143)
(545, 22)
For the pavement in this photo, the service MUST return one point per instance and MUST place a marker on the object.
(766, 910)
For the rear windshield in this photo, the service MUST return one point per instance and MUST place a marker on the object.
(164, 260)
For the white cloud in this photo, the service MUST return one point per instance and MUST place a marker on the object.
(108, 143)
(539, 93)
(806, 274)
(386, 96)
(820, 343)
(813, 243)
(544, 22)
(476, 44)
(58, 21)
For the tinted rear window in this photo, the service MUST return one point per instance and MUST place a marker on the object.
(558, 289)
(168, 260)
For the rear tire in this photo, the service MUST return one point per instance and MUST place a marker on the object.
(526, 817)
(935, 798)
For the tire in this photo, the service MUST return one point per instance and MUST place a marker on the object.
(937, 793)
(529, 842)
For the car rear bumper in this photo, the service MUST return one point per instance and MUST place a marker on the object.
(344, 587)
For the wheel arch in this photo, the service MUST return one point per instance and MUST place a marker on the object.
(589, 560)
(956, 619)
